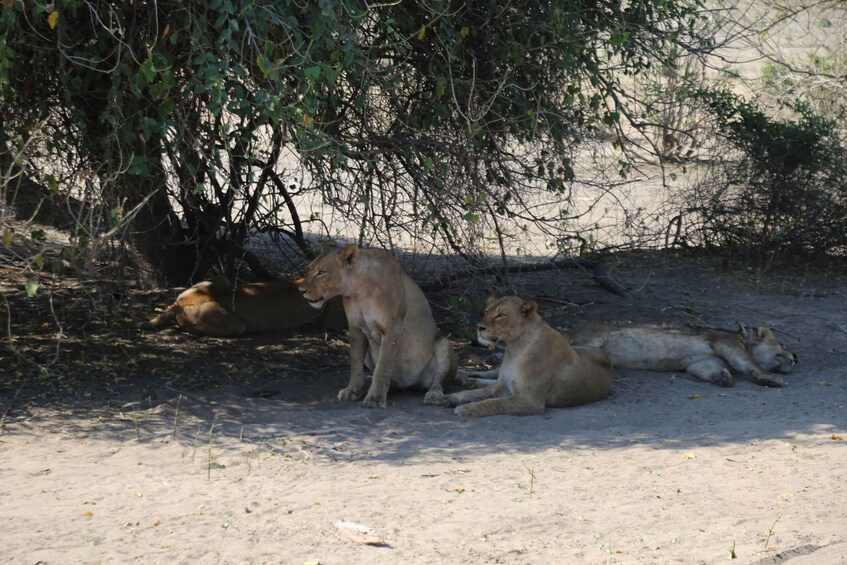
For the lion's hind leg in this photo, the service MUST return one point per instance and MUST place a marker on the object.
(443, 367)
(711, 370)
(163, 319)
(210, 319)
(508, 405)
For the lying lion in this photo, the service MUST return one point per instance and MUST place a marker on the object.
(216, 308)
(392, 330)
(539, 369)
(707, 356)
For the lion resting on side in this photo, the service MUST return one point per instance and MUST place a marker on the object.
(216, 308)
(392, 330)
(539, 369)
(708, 356)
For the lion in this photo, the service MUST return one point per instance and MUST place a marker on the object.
(539, 369)
(706, 356)
(392, 330)
(216, 308)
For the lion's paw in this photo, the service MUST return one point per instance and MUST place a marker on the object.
(436, 398)
(465, 410)
(349, 393)
(724, 378)
(374, 401)
(769, 380)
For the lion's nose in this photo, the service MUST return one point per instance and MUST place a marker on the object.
(480, 328)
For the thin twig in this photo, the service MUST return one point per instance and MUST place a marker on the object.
(176, 416)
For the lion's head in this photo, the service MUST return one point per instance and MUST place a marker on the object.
(328, 274)
(505, 319)
(771, 355)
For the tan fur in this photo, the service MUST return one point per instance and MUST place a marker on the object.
(707, 356)
(392, 330)
(216, 308)
(540, 368)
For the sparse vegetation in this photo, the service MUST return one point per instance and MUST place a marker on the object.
(782, 192)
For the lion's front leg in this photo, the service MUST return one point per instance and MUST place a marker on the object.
(509, 405)
(386, 365)
(358, 348)
(475, 395)
(741, 361)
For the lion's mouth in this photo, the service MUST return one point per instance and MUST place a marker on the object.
(315, 302)
(485, 342)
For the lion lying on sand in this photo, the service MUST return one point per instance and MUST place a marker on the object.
(539, 369)
(392, 330)
(707, 356)
(216, 308)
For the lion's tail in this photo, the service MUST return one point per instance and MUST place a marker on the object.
(167, 317)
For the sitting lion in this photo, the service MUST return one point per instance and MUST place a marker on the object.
(216, 308)
(392, 330)
(707, 356)
(539, 369)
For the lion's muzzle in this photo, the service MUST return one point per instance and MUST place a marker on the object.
(316, 303)
(484, 341)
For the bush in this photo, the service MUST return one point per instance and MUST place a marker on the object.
(784, 194)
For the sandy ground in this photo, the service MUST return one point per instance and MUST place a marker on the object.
(665, 470)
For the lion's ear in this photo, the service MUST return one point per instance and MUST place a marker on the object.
(219, 280)
(349, 254)
(528, 307)
(327, 244)
(764, 333)
(489, 301)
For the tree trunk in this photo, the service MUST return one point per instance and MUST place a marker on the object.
(158, 243)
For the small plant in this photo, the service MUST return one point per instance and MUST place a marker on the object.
(176, 416)
(210, 460)
(531, 479)
(770, 531)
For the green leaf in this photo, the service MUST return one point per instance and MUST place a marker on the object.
(313, 73)
(440, 86)
(139, 165)
(39, 260)
(148, 71)
(52, 183)
(117, 214)
(471, 217)
(31, 288)
(263, 64)
(619, 37)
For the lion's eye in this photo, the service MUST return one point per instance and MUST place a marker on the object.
(498, 316)
(321, 273)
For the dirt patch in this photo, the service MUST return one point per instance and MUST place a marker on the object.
(125, 445)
